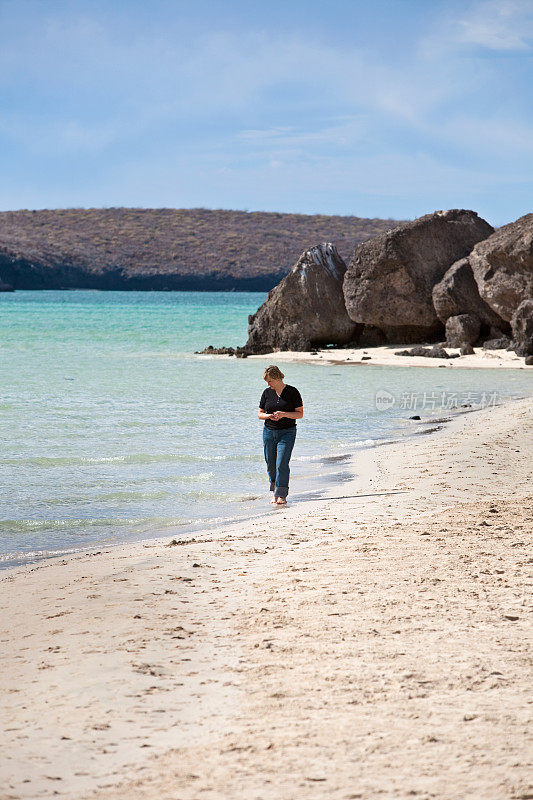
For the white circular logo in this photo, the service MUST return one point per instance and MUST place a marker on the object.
(384, 400)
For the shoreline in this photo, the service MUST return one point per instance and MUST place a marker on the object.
(370, 641)
(328, 480)
(298, 495)
(310, 487)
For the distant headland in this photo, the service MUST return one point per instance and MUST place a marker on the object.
(165, 249)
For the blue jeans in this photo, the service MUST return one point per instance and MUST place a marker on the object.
(278, 448)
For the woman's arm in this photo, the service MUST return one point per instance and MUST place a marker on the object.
(296, 414)
(261, 414)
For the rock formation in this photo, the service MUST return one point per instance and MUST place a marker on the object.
(390, 278)
(5, 287)
(502, 266)
(437, 351)
(306, 309)
(522, 325)
(457, 294)
(503, 343)
(462, 329)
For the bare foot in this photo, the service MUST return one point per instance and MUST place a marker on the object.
(280, 501)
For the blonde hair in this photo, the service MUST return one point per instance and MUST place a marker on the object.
(274, 373)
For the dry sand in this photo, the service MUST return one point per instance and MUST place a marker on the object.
(372, 644)
(385, 356)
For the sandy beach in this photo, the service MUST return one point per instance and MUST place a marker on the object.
(385, 356)
(371, 643)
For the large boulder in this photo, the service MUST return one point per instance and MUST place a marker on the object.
(457, 294)
(390, 278)
(522, 325)
(306, 309)
(462, 329)
(503, 267)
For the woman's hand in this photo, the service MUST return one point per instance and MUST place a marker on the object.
(277, 415)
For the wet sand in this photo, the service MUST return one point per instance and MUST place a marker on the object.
(372, 643)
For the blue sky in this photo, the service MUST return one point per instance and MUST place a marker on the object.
(383, 109)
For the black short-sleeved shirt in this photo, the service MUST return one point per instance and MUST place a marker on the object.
(289, 400)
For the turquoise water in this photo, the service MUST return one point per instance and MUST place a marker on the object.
(112, 429)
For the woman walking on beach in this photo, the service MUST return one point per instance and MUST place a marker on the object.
(280, 406)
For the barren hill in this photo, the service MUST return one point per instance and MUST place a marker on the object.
(133, 248)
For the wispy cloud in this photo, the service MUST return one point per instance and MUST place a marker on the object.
(500, 25)
(239, 111)
(133, 87)
(496, 26)
(344, 133)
